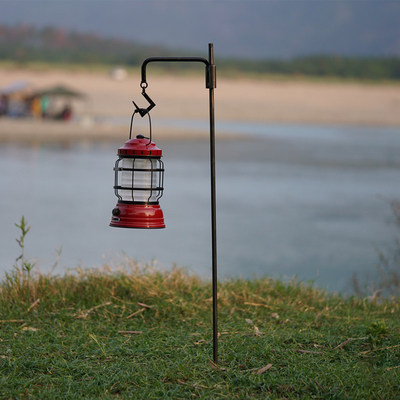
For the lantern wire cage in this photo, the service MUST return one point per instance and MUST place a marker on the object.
(132, 172)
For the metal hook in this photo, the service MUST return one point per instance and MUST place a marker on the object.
(144, 111)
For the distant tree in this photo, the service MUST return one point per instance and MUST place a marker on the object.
(25, 43)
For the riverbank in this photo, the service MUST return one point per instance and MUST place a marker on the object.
(141, 333)
(185, 97)
(31, 132)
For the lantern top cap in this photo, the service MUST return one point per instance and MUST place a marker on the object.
(141, 146)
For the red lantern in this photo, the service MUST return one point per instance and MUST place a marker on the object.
(139, 180)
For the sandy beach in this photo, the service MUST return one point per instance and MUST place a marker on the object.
(185, 97)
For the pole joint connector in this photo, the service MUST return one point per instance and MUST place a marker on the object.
(211, 76)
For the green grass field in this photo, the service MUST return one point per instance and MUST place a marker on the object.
(143, 334)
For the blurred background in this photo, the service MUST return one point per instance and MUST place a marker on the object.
(308, 135)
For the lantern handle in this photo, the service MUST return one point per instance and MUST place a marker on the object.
(131, 126)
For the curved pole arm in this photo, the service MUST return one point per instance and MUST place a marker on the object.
(210, 77)
(168, 59)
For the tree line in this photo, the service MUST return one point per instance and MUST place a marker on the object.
(23, 44)
(373, 68)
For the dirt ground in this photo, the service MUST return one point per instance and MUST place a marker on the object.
(185, 97)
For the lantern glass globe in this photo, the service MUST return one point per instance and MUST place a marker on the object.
(142, 175)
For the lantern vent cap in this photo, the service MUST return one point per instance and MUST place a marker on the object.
(141, 146)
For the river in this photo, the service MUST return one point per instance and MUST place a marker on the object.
(292, 200)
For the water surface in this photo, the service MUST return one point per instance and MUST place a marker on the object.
(310, 201)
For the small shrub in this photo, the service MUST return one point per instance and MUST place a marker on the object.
(386, 280)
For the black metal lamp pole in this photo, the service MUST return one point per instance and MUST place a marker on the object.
(211, 85)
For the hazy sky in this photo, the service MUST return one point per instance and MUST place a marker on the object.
(250, 28)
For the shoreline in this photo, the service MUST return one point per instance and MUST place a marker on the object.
(31, 132)
(37, 132)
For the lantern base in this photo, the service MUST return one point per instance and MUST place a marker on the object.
(140, 216)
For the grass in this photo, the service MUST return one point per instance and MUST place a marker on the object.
(145, 334)
(136, 332)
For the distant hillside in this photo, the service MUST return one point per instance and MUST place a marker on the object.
(24, 44)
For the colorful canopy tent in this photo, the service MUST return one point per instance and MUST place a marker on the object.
(54, 102)
(19, 100)
(59, 90)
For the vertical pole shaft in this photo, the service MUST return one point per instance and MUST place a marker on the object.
(213, 212)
